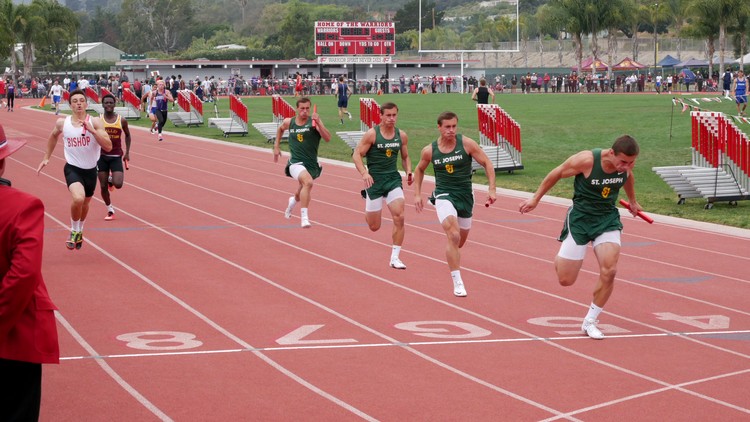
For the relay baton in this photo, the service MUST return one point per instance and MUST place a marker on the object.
(645, 217)
(127, 167)
(489, 202)
(315, 110)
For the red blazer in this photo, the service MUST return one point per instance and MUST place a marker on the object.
(28, 331)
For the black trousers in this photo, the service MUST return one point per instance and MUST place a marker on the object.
(20, 391)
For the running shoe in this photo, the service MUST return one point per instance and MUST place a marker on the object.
(161, 138)
(397, 264)
(79, 240)
(459, 289)
(305, 224)
(350, 115)
(289, 208)
(71, 242)
(110, 213)
(589, 327)
(152, 131)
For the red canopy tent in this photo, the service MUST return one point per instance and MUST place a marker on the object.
(628, 64)
(601, 66)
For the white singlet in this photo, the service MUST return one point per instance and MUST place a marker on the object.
(81, 150)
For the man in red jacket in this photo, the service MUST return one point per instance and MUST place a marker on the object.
(28, 333)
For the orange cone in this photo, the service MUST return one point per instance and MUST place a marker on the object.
(41, 104)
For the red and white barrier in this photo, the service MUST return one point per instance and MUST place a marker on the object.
(499, 130)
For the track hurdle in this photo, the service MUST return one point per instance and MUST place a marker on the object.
(237, 121)
(186, 115)
(499, 137)
(64, 101)
(369, 115)
(132, 109)
(93, 100)
(280, 109)
(720, 162)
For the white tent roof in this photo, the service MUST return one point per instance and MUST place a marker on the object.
(745, 59)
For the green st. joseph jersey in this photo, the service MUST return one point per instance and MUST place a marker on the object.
(452, 169)
(597, 194)
(303, 143)
(382, 157)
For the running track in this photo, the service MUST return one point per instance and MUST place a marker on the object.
(201, 302)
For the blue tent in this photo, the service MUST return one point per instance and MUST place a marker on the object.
(688, 75)
(668, 61)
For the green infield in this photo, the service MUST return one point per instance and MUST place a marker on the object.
(553, 127)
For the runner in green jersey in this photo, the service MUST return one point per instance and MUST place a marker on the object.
(381, 145)
(599, 175)
(451, 156)
(305, 131)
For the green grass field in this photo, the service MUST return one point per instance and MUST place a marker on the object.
(553, 127)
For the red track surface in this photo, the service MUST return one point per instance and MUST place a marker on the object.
(279, 323)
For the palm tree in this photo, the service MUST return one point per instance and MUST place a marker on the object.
(726, 10)
(617, 13)
(574, 22)
(551, 22)
(740, 31)
(13, 22)
(705, 24)
(678, 14)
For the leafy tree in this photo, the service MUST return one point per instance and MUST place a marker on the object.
(740, 31)
(296, 31)
(678, 15)
(407, 17)
(726, 10)
(102, 26)
(704, 24)
(13, 22)
(552, 22)
(161, 25)
(574, 22)
(53, 40)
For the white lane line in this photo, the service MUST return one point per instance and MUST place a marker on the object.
(111, 372)
(388, 281)
(612, 337)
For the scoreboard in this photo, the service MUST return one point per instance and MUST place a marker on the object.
(355, 38)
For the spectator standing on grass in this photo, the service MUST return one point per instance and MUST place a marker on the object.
(727, 81)
(482, 93)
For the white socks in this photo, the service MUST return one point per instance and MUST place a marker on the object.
(456, 276)
(594, 312)
(395, 251)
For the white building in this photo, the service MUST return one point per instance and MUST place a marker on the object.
(91, 51)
